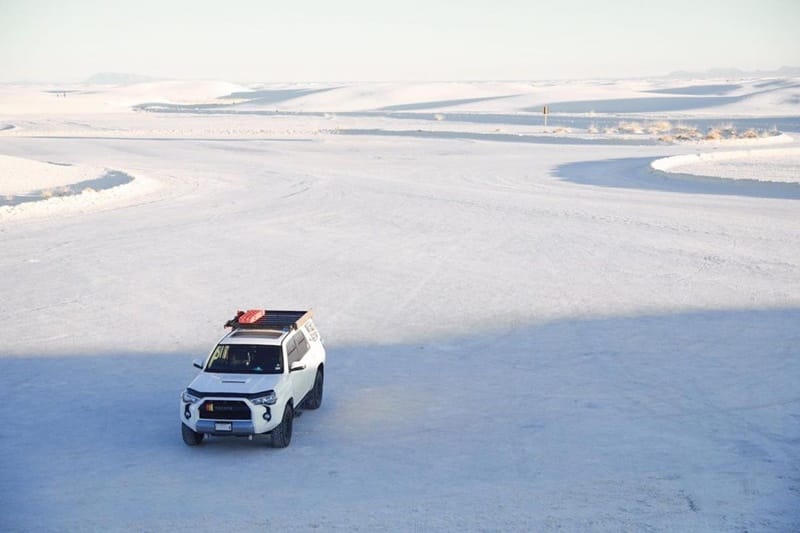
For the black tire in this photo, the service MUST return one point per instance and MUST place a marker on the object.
(314, 399)
(282, 435)
(190, 437)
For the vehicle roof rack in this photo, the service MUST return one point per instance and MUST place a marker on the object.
(268, 319)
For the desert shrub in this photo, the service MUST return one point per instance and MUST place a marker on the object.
(629, 127)
(684, 132)
(661, 126)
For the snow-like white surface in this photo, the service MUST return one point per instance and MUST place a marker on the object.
(93, 99)
(778, 165)
(525, 331)
(35, 189)
(18, 175)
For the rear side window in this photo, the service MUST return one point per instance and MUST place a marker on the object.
(312, 331)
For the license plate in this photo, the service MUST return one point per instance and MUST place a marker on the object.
(223, 426)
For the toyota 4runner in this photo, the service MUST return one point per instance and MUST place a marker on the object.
(270, 364)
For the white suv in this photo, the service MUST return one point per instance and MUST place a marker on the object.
(270, 364)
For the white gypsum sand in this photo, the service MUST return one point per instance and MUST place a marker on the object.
(776, 165)
(35, 189)
(19, 175)
(526, 331)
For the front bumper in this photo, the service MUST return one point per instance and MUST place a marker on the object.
(262, 420)
(215, 427)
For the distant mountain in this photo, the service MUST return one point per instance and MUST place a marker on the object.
(117, 78)
(783, 72)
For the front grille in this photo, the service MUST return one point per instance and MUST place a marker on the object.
(224, 410)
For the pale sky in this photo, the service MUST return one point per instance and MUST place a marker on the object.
(360, 40)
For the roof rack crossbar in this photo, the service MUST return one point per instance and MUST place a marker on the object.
(280, 320)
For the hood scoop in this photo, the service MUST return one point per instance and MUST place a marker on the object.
(235, 380)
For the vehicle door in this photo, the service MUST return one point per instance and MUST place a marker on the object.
(303, 376)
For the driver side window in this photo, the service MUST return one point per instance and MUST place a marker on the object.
(302, 344)
(296, 347)
(291, 351)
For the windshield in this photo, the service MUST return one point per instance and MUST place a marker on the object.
(246, 359)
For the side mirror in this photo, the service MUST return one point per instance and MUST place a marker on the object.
(297, 365)
(197, 363)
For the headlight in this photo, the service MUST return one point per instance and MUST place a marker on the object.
(269, 398)
(189, 398)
